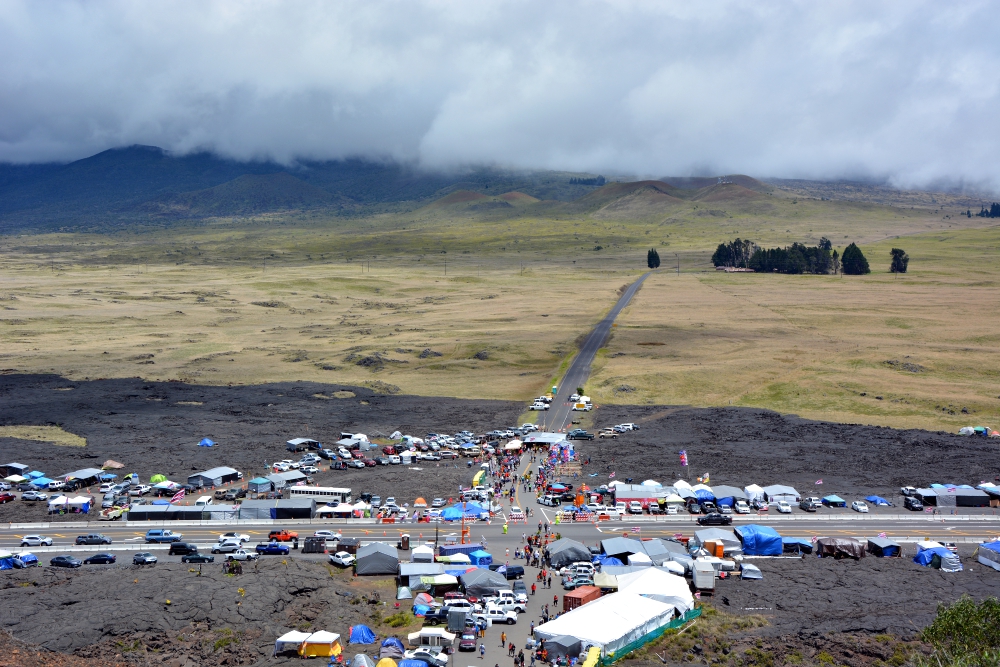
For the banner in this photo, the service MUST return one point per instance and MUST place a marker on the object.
(684, 457)
(179, 496)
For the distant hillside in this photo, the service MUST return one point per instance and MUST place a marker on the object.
(249, 194)
(702, 182)
(142, 184)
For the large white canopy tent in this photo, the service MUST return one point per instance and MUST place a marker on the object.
(658, 585)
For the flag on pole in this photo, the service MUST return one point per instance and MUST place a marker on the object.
(611, 476)
(819, 481)
(177, 497)
(684, 457)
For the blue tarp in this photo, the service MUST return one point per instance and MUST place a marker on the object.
(412, 663)
(992, 546)
(607, 560)
(41, 482)
(6, 563)
(420, 609)
(796, 544)
(107, 477)
(161, 502)
(760, 540)
(704, 496)
(35, 474)
(480, 558)
(362, 634)
(834, 501)
(878, 500)
(205, 442)
(925, 556)
(26, 560)
(472, 510)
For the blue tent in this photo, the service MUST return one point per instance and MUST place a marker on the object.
(41, 482)
(7, 563)
(205, 442)
(834, 501)
(760, 540)
(161, 502)
(472, 511)
(878, 500)
(926, 556)
(362, 634)
(796, 545)
(34, 474)
(480, 558)
(420, 609)
(393, 641)
(451, 514)
(107, 476)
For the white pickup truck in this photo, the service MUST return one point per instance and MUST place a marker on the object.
(507, 601)
(496, 614)
(240, 554)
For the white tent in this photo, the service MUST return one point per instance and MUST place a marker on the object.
(422, 554)
(340, 508)
(431, 637)
(639, 559)
(681, 484)
(673, 499)
(651, 482)
(58, 503)
(753, 492)
(15, 479)
(659, 585)
(77, 501)
(777, 492)
(290, 641)
(703, 487)
(610, 622)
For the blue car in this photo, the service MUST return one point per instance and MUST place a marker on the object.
(272, 549)
(160, 536)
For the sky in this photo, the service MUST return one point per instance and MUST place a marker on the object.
(907, 92)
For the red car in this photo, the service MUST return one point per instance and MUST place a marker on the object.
(7, 497)
(389, 450)
(281, 536)
(468, 641)
(370, 463)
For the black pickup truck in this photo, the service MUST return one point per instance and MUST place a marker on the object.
(579, 434)
(437, 616)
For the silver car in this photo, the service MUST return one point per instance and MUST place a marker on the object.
(36, 541)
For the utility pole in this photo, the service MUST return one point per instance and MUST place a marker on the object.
(678, 263)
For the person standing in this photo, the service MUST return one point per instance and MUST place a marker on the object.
(503, 639)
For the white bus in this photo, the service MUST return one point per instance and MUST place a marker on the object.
(324, 494)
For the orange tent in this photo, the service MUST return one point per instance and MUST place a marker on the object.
(420, 502)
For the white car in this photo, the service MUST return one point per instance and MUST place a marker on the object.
(227, 547)
(438, 503)
(671, 509)
(741, 507)
(36, 541)
(528, 428)
(243, 555)
(343, 453)
(140, 490)
(635, 507)
(784, 507)
(310, 470)
(859, 506)
(342, 558)
(234, 537)
(281, 467)
(593, 508)
(394, 460)
(497, 615)
(424, 653)
(328, 535)
(105, 487)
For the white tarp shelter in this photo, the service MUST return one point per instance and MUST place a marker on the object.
(753, 492)
(290, 641)
(659, 585)
(610, 622)
(422, 554)
(730, 543)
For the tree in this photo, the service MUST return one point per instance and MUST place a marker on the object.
(853, 261)
(835, 262)
(899, 261)
(653, 259)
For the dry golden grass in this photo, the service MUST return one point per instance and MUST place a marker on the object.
(905, 351)
(331, 324)
(196, 303)
(50, 434)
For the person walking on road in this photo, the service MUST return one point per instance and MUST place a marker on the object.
(532, 589)
(503, 639)
(482, 651)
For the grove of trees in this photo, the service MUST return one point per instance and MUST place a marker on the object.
(796, 258)
(992, 212)
(653, 259)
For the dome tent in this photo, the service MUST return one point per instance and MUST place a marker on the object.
(362, 634)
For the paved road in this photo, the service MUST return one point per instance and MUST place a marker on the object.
(557, 417)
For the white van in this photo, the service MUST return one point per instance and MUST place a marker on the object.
(203, 501)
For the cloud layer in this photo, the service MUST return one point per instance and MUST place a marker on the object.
(904, 90)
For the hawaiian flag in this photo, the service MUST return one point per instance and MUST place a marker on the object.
(819, 481)
(684, 457)
(179, 496)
